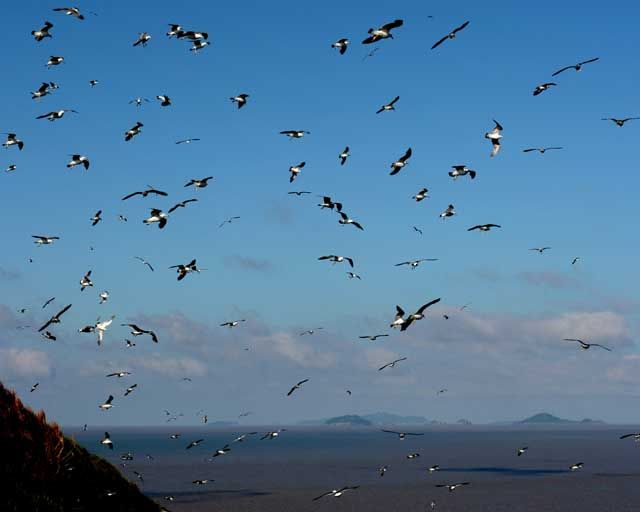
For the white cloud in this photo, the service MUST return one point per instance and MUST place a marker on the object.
(24, 363)
(171, 366)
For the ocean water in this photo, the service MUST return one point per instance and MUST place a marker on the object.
(286, 473)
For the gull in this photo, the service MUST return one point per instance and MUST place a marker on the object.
(183, 270)
(107, 441)
(434, 468)
(130, 344)
(55, 319)
(494, 136)
(382, 470)
(576, 466)
(344, 155)
(174, 30)
(138, 331)
(181, 204)
(93, 83)
(48, 302)
(397, 166)
(143, 39)
(402, 435)
(39, 35)
(295, 134)
(34, 387)
(450, 35)
(44, 240)
(337, 259)
(542, 151)
(118, 374)
(392, 364)
(139, 476)
(636, 436)
(348, 392)
(341, 45)
(373, 337)
(577, 67)
(133, 131)
(54, 60)
(43, 90)
(619, 122)
(462, 170)
(130, 389)
(297, 386)
(228, 221)
(165, 101)
(58, 114)
(327, 202)
(11, 168)
(383, 32)
(157, 216)
(242, 437)
(79, 160)
(273, 434)
(199, 183)
(345, 219)
(298, 192)
(413, 455)
(70, 11)
(192, 35)
(192, 444)
(104, 296)
(295, 170)
(453, 487)
(418, 315)
(97, 217)
(484, 227)
(232, 324)
(101, 328)
(417, 230)
(202, 482)
(540, 249)
(145, 193)
(221, 451)
(575, 260)
(12, 140)
(199, 45)
(587, 346)
(398, 319)
(421, 194)
(244, 414)
(521, 451)
(371, 53)
(542, 87)
(336, 493)
(173, 436)
(138, 101)
(352, 275)
(144, 262)
(122, 218)
(448, 212)
(86, 281)
(310, 331)
(187, 141)
(388, 106)
(107, 404)
(240, 100)
(415, 263)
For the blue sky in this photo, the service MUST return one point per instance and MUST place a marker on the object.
(501, 357)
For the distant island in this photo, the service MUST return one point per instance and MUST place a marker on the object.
(376, 418)
(349, 419)
(546, 418)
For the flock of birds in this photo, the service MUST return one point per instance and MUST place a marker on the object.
(402, 321)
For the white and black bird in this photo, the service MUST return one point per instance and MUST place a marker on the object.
(635, 435)
(575, 260)
(97, 217)
(400, 163)
(540, 249)
(93, 83)
(484, 227)
(295, 134)
(86, 281)
(79, 160)
(329, 203)
(353, 275)
(103, 296)
(198, 45)
(577, 67)
(45, 240)
(107, 404)
(576, 466)
(187, 141)
(295, 170)
(11, 168)
(138, 101)
(273, 434)
(453, 487)
(184, 269)
(44, 89)
(106, 441)
(199, 183)
(228, 221)
(57, 114)
(336, 493)
(202, 481)
(192, 35)
(450, 35)
(174, 30)
(34, 387)
(164, 100)
(373, 337)
(12, 140)
(145, 193)
(449, 211)
(193, 444)
(586, 346)
(55, 319)
(414, 263)
(345, 219)
(414, 455)
(341, 45)
(181, 204)
(70, 11)
(521, 451)
(619, 122)
(232, 323)
(423, 193)
(543, 87)
(462, 170)
(118, 374)
(130, 389)
(42, 33)
(344, 155)
(388, 106)
(403, 435)
(383, 32)
(382, 470)
(494, 136)
(392, 364)
(157, 216)
(54, 60)
(433, 468)
(101, 328)
(143, 39)
(298, 193)
(337, 259)
(297, 386)
(240, 100)
(133, 131)
(418, 315)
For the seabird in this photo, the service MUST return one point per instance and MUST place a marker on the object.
(97, 217)
(298, 192)
(187, 141)
(388, 106)
(144, 262)
(295, 170)
(34, 387)
(373, 337)
(418, 315)
(575, 260)
(587, 346)
(202, 482)
(133, 131)
(70, 11)
(173, 436)
(107, 404)
(86, 281)
(194, 443)
(434, 468)
(192, 35)
(143, 39)
(93, 83)
(453, 487)
(57, 114)
(344, 155)
(494, 136)
(345, 219)
(118, 374)
(619, 122)
(79, 160)
(383, 32)
(543, 87)
(145, 193)
(402, 435)
(421, 194)
(448, 212)
(199, 183)
(221, 451)
(310, 331)
(101, 328)
(43, 90)
(181, 204)
(130, 344)
(198, 45)
(138, 101)
(233, 323)
(541, 150)
(414, 455)
(11, 168)
(462, 170)
(55, 319)
(297, 386)
(417, 230)
(183, 270)
(521, 451)
(576, 466)
(484, 227)
(174, 30)
(165, 101)
(636, 436)
(240, 100)
(44, 240)
(450, 35)
(327, 202)
(397, 166)
(337, 259)
(415, 263)
(12, 140)
(242, 437)
(54, 60)
(157, 216)
(49, 336)
(228, 221)
(577, 67)
(104, 297)
(392, 364)
(382, 470)
(353, 275)
(540, 249)
(295, 134)
(341, 45)
(336, 493)
(107, 441)
(273, 434)
(138, 331)
(130, 389)
(39, 35)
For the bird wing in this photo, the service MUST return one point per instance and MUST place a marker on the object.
(440, 42)
(399, 311)
(322, 495)
(391, 432)
(394, 100)
(458, 29)
(131, 195)
(589, 61)
(627, 435)
(425, 306)
(601, 346)
(561, 70)
(392, 25)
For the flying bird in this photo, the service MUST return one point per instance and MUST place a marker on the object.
(273, 434)
(450, 35)
(185, 269)
(373, 337)
(453, 487)
(540, 249)
(484, 227)
(107, 404)
(336, 493)
(44, 240)
(130, 389)
(54, 60)
(636, 436)
(353, 275)
(34, 387)
(344, 155)
(12, 140)
(388, 106)
(543, 87)
(97, 217)
(181, 204)
(86, 281)
(199, 183)
(575, 260)
(143, 39)
(577, 67)
(417, 230)
(418, 315)
(494, 136)
(295, 170)
(521, 451)
(240, 100)
(193, 444)
(400, 163)
(403, 435)
(345, 219)
(106, 441)
(138, 331)
(337, 259)
(39, 35)
(421, 194)
(48, 302)
(329, 203)
(118, 374)
(56, 114)
(542, 151)
(70, 11)
(415, 263)
(298, 192)
(619, 122)
(79, 160)
(587, 346)
(297, 386)
(144, 262)
(228, 221)
(164, 100)
(44, 89)
(145, 193)
(138, 101)
(198, 45)
(133, 131)
(341, 45)
(462, 170)
(232, 324)
(55, 319)
(187, 141)
(392, 364)
(576, 466)
(383, 32)
(295, 134)
(157, 216)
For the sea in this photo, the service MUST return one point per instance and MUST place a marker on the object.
(286, 473)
